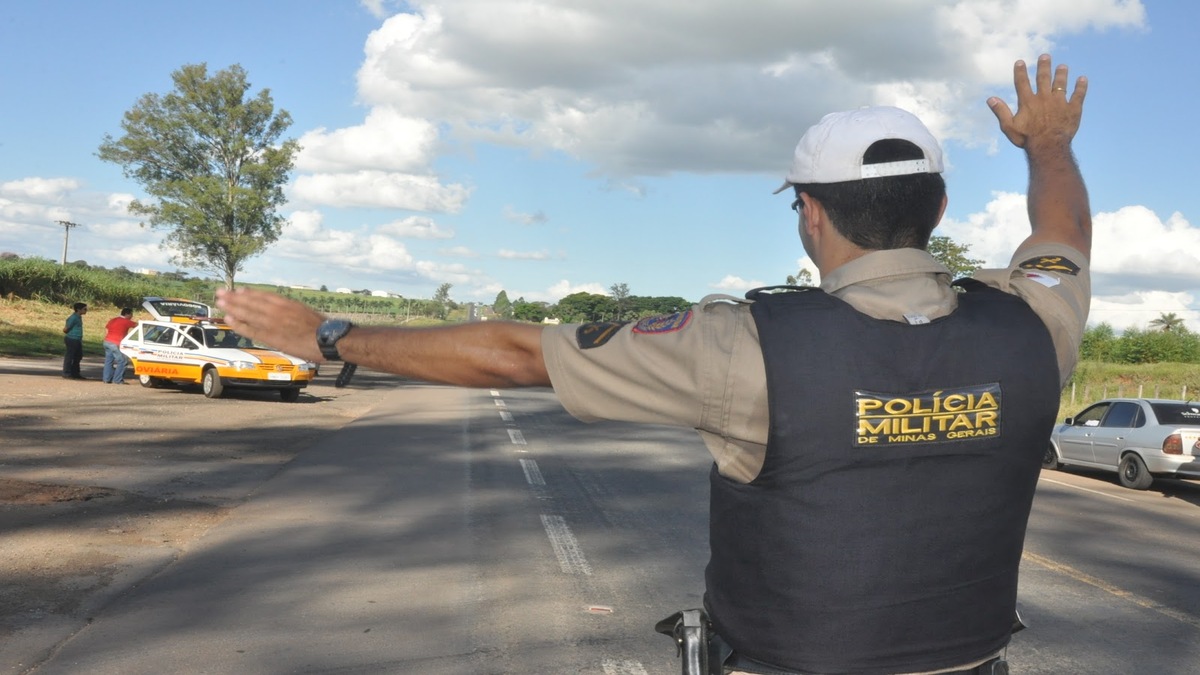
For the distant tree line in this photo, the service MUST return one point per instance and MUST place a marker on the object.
(1164, 340)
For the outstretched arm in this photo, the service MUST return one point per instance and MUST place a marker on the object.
(1044, 125)
(485, 354)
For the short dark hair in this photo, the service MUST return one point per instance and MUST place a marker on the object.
(887, 212)
(80, 305)
(126, 311)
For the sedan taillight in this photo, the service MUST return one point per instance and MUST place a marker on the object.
(1173, 445)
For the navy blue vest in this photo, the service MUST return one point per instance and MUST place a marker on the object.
(885, 530)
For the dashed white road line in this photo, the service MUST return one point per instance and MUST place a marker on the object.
(533, 475)
(562, 540)
(615, 667)
(566, 547)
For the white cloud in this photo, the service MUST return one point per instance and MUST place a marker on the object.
(536, 218)
(641, 88)
(458, 252)
(39, 190)
(415, 227)
(1138, 308)
(563, 288)
(380, 189)
(508, 254)
(386, 140)
(1141, 265)
(735, 284)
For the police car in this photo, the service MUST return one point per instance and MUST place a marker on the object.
(184, 344)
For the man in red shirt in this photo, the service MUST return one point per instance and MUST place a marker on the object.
(114, 361)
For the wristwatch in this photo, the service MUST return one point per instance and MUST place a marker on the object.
(328, 334)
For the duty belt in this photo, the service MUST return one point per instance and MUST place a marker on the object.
(703, 652)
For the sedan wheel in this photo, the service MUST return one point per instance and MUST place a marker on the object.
(289, 395)
(1132, 473)
(1050, 458)
(213, 387)
(151, 382)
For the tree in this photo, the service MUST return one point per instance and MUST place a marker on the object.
(802, 278)
(584, 307)
(502, 306)
(953, 256)
(442, 299)
(529, 311)
(213, 159)
(620, 293)
(1168, 322)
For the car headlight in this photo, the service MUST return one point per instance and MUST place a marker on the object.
(243, 365)
(305, 367)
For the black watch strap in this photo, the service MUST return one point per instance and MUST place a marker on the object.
(328, 334)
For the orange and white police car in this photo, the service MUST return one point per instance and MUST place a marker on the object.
(184, 344)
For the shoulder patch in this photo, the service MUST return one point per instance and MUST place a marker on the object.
(591, 335)
(1051, 263)
(667, 323)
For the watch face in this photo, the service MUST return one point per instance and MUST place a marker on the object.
(328, 334)
(332, 330)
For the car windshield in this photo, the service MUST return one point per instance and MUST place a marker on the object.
(1177, 413)
(224, 337)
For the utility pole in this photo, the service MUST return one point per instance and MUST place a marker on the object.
(66, 236)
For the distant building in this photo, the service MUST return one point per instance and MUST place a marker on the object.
(301, 287)
(343, 290)
(380, 294)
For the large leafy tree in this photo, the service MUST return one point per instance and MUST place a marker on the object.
(441, 299)
(619, 293)
(802, 278)
(953, 256)
(583, 307)
(503, 307)
(214, 160)
(529, 311)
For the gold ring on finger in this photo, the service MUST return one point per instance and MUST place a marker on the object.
(1059, 89)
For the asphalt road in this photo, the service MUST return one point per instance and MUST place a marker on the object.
(464, 531)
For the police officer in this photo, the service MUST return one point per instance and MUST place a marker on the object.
(876, 441)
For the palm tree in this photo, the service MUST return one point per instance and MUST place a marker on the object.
(1168, 322)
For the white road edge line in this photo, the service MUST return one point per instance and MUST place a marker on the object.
(1095, 492)
(516, 437)
(1117, 591)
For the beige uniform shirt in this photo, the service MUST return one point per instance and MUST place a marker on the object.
(704, 369)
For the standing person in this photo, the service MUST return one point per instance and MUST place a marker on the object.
(73, 329)
(115, 362)
(877, 441)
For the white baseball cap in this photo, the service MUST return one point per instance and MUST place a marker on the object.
(832, 150)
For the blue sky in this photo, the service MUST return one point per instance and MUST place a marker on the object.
(544, 147)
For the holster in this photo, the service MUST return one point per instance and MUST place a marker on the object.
(692, 632)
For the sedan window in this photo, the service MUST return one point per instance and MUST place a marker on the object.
(1177, 413)
(1091, 417)
(1122, 415)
